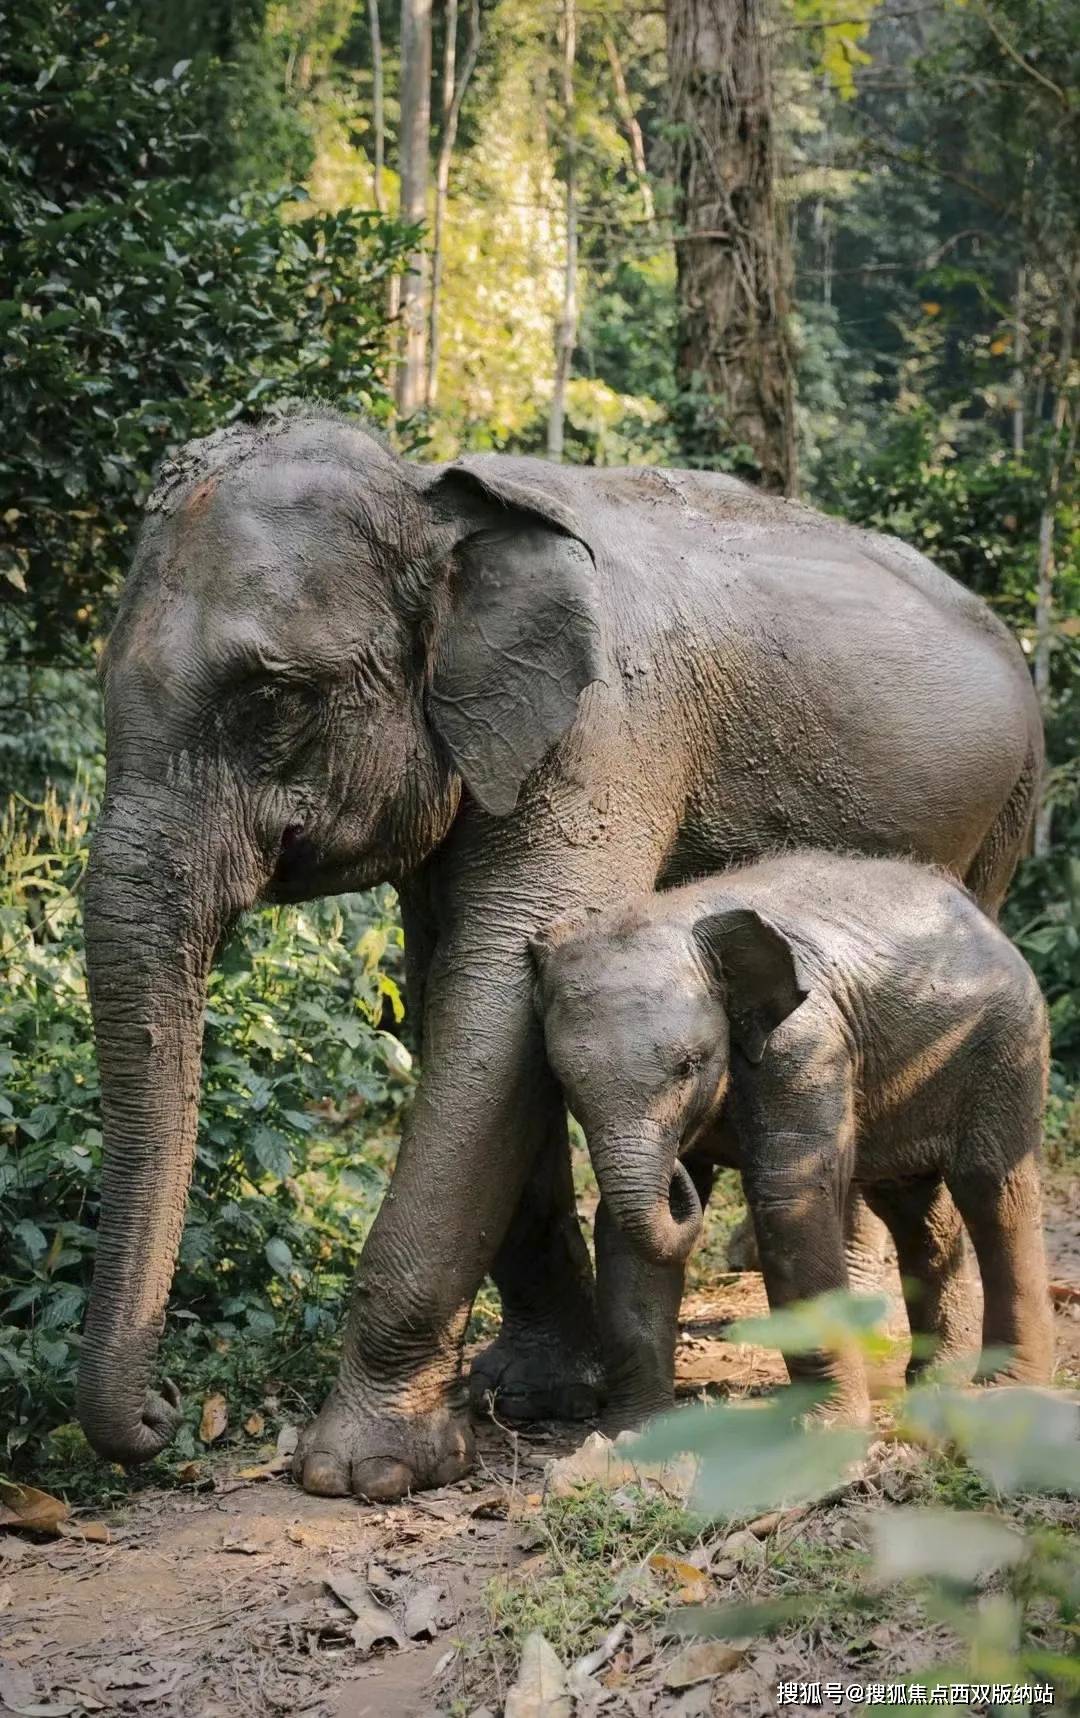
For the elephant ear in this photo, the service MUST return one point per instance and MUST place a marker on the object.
(521, 640)
(755, 965)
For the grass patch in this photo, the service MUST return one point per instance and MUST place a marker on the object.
(596, 1546)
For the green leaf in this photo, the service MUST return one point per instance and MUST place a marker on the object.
(944, 1544)
(279, 1257)
(32, 1238)
(272, 1152)
(756, 1455)
(1019, 1438)
(830, 1323)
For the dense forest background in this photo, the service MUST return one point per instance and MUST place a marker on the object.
(494, 239)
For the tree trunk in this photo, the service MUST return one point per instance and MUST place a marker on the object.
(633, 128)
(378, 115)
(734, 356)
(566, 327)
(1019, 344)
(1062, 457)
(413, 144)
(455, 84)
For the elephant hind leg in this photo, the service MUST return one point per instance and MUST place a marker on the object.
(995, 1181)
(938, 1289)
(990, 872)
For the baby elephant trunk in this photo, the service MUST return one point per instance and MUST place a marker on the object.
(648, 1192)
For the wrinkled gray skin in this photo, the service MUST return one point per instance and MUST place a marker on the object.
(515, 691)
(821, 1023)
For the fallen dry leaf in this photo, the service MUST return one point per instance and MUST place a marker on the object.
(541, 1689)
(17, 1687)
(586, 1667)
(188, 1472)
(426, 1612)
(599, 1461)
(296, 1534)
(95, 1532)
(255, 1425)
(743, 1548)
(23, 1506)
(272, 1469)
(374, 1625)
(215, 1418)
(700, 1660)
(694, 1587)
(491, 1505)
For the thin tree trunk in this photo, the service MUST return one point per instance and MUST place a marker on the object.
(378, 113)
(1063, 452)
(735, 361)
(633, 127)
(413, 148)
(1019, 353)
(566, 327)
(455, 85)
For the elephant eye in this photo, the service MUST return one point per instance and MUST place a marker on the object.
(689, 1062)
(274, 714)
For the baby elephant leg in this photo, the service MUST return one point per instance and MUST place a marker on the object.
(864, 1244)
(938, 1289)
(1001, 1203)
(638, 1308)
(798, 1220)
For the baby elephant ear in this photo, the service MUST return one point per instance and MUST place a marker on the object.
(756, 967)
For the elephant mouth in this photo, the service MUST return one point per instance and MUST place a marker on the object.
(297, 870)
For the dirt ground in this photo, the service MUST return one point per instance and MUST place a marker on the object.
(230, 1596)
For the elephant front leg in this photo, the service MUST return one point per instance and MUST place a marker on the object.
(639, 1313)
(796, 1127)
(545, 1363)
(396, 1420)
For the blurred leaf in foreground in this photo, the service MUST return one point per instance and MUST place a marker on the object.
(757, 1455)
(1019, 1438)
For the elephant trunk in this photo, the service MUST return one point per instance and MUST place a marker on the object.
(648, 1192)
(154, 915)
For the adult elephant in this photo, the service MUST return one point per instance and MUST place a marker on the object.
(514, 690)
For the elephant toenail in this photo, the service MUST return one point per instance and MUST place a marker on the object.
(325, 1476)
(382, 1481)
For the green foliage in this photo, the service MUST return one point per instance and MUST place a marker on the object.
(141, 305)
(298, 1069)
(753, 1455)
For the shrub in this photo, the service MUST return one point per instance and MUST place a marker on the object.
(302, 1098)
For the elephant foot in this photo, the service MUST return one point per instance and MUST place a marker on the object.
(631, 1416)
(537, 1374)
(380, 1456)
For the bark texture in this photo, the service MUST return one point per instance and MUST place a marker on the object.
(413, 152)
(734, 352)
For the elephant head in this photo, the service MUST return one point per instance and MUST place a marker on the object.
(640, 1013)
(319, 649)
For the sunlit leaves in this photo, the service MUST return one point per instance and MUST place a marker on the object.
(841, 27)
(756, 1455)
(832, 1323)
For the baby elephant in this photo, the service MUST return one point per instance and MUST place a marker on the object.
(827, 1025)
